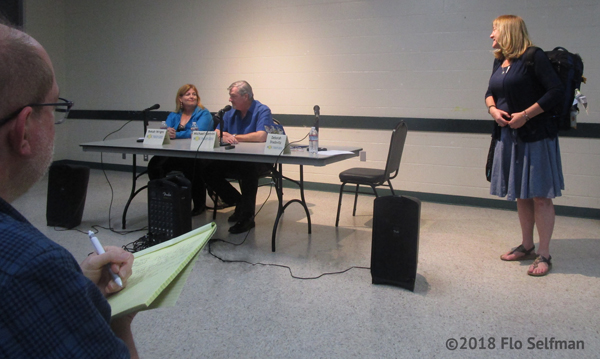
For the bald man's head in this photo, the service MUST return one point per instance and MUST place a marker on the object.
(26, 74)
(26, 132)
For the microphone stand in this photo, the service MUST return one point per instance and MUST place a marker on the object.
(219, 116)
(227, 146)
(145, 114)
(222, 124)
(317, 113)
(317, 110)
(218, 120)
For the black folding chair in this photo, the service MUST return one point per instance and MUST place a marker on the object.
(375, 177)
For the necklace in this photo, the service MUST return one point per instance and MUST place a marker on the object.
(505, 70)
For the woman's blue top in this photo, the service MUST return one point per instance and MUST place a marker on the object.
(201, 116)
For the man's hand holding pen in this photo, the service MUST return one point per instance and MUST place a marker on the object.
(119, 261)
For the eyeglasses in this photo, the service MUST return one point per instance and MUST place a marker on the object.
(60, 112)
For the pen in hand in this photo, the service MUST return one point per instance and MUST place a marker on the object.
(100, 250)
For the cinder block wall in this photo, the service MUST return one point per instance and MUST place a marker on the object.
(382, 58)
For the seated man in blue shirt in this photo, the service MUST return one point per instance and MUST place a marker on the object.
(50, 307)
(245, 122)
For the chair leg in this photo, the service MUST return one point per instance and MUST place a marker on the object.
(355, 199)
(374, 191)
(391, 188)
(337, 218)
(215, 198)
(215, 202)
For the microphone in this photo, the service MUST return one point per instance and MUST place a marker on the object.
(145, 115)
(317, 113)
(153, 107)
(219, 116)
(225, 109)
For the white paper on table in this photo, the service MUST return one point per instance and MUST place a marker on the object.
(335, 152)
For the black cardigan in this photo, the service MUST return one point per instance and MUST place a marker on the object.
(527, 85)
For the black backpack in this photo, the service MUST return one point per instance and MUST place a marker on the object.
(569, 68)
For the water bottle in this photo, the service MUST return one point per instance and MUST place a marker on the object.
(163, 125)
(313, 141)
(574, 112)
(194, 127)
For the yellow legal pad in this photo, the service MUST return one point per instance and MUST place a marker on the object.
(160, 272)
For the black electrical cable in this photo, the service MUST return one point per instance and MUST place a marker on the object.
(96, 226)
(214, 240)
(150, 239)
(112, 194)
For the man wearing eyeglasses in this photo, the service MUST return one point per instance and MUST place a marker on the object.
(50, 307)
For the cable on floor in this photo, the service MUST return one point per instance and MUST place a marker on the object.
(110, 227)
(214, 240)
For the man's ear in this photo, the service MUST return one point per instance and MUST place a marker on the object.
(19, 136)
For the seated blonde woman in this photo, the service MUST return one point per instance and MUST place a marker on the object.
(188, 109)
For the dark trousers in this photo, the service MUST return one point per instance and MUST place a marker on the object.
(248, 173)
(192, 169)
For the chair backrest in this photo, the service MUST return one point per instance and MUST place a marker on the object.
(395, 154)
(277, 128)
(216, 121)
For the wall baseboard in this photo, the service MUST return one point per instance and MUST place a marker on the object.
(569, 211)
(472, 126)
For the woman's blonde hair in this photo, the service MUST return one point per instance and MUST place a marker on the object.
(182, 90)
(512, 37)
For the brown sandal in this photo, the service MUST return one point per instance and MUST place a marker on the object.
(538, 260)
(527, 254)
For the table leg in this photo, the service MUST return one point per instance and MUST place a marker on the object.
(281, 207)
(134, 192)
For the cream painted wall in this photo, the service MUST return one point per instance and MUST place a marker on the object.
(45, 20)
(387, 58)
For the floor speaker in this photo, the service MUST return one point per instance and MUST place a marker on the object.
(169, 207)
(395, 245)
(67, 190)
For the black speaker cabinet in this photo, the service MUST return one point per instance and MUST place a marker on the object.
(395, 246)
(67, 190)
(169, 207)
(12, 11)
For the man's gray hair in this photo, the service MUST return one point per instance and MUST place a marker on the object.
(243, 88)
(25, 76)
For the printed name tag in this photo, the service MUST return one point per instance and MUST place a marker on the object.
(155, 136)
(204, 141)
(277, 144)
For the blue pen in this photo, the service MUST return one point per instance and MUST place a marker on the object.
(100, 250)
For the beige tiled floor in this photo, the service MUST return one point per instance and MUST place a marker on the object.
(463, 291)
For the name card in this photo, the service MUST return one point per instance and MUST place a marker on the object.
(155, 136)
(277, 144)
(204, 141)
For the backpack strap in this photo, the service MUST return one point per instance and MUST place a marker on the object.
(528, 56)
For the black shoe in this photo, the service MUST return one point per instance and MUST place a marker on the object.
(242, 226)
(222, 205)
(196, 211)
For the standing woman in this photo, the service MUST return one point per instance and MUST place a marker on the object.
(188, 109)
(527, 165)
